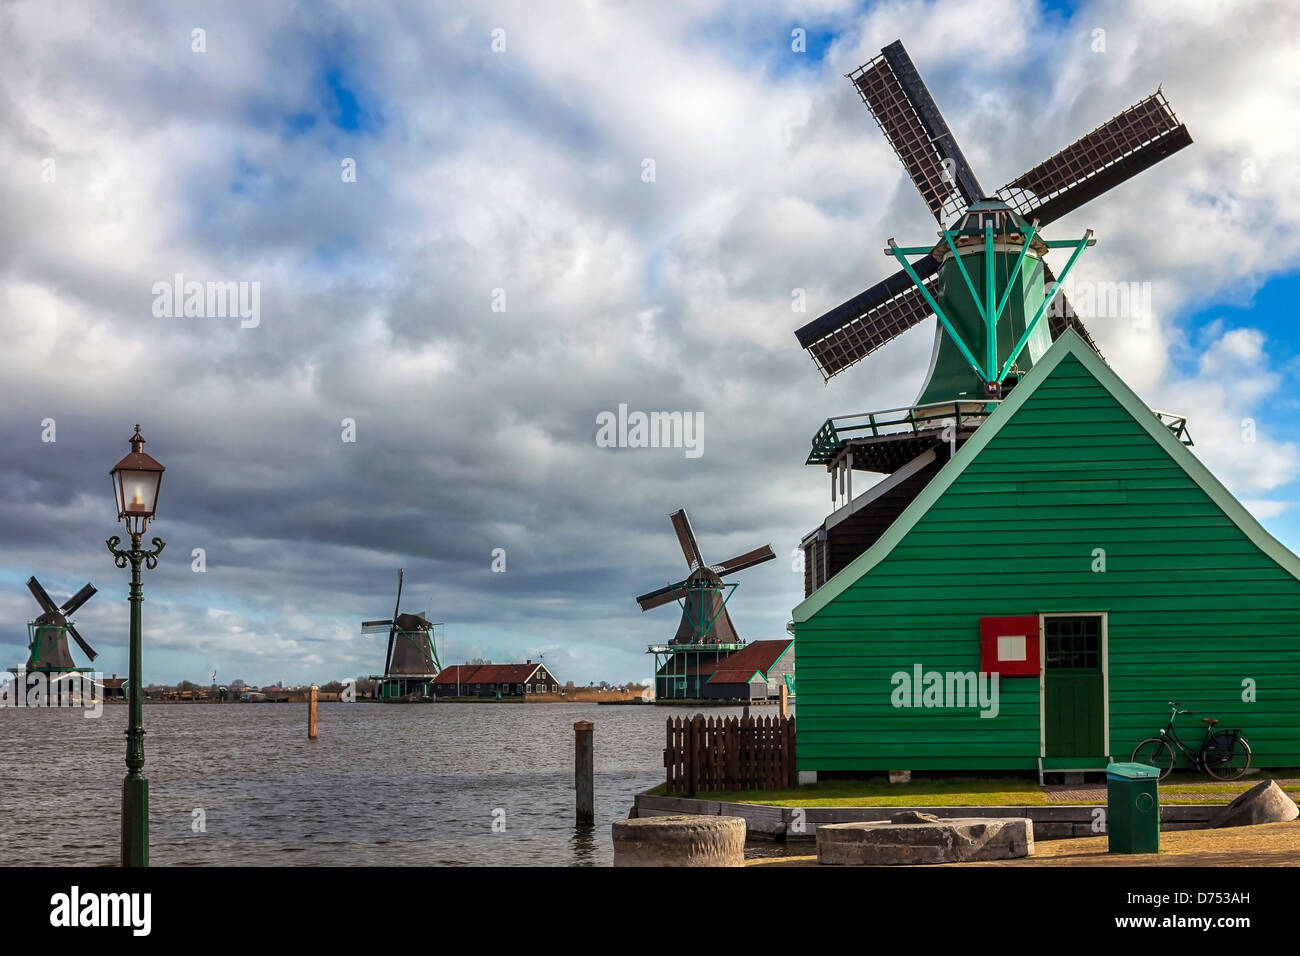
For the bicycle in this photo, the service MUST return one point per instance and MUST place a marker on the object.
(1224, 754)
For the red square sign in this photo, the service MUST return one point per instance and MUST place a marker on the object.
(1009, 646)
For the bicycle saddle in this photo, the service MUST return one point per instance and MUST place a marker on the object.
(1210, 720)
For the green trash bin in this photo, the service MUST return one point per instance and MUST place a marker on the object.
(1133, 808)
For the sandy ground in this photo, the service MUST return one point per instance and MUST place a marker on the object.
(1272, 844)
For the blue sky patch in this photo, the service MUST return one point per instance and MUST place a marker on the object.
(346, 110)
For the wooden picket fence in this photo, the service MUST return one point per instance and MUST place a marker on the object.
(730, 753)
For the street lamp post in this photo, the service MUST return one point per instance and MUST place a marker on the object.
(136, 480)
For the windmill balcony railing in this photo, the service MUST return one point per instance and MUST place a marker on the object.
(910, 419)
(678, 648)
(915, 419)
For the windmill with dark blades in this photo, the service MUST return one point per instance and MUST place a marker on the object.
(47, 645)
(411, 662)
(998, 306)
(706, 634)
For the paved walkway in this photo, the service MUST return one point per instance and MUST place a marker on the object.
(1272, 844)
(1189, 792)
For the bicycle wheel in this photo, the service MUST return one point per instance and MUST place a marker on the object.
(1154, 752)
(1226, 763)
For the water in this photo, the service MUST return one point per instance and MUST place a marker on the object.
(383, 784)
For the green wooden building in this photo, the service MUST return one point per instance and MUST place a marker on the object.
(1040, 593)
(1045, 565)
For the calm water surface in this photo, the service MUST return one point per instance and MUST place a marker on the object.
(383, 784)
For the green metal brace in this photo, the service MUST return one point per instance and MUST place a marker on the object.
(1079, 246)
(729, 588)
(990, 313)
(990, 317)
(901, 255)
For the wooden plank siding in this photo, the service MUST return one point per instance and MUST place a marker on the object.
(1194, 605)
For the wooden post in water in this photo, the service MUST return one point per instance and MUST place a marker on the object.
(584, 771)
(785, 701)
(311, 713)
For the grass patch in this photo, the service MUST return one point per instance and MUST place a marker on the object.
(1181, 789)
(935, 792)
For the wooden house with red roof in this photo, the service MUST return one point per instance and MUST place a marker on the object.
(495, 681)
(755, 672)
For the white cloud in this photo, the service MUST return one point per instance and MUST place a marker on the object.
(1264, 510)
(522, 171)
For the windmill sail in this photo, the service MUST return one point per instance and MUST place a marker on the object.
(1115, 151)
(850, 332)
(392, 629)
(907, 114)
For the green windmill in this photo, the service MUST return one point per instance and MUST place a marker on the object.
(705, 635)
(48, 635)
(893, 91)
(990, 301)
(997, 304)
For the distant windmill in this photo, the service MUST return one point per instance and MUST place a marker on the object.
(48, 634)
(411, 661)
(704, 613)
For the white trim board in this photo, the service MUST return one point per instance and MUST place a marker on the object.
(1042, 677)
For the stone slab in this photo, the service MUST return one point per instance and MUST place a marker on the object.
(1053, 821)
(1265, 802)
(913, 838)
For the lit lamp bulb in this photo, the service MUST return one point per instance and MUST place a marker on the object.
(136, 478)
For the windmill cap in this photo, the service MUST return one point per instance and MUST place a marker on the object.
(991, 204)
(411, 622)
(1005, 217)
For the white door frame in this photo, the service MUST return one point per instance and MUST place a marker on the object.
(1042, 676)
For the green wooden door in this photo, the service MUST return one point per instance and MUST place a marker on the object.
(1075, 699)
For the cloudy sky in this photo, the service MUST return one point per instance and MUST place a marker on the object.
(501, 271)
